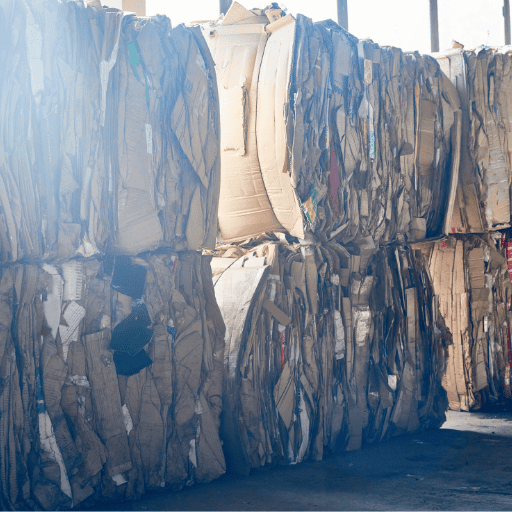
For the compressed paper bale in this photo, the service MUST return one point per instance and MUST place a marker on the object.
(369, 391)
(476, 317)
(483, 200)
(109, 153)
(118, 174)
(80, 430)
(346, 140)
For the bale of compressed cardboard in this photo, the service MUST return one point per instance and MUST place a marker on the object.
(471, 278)
(326, 347)
(83, 418)
(110, 133)
(326, 134)
(483, 81)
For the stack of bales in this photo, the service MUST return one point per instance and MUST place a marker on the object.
(335, 154)
(470, 269)
(110, 339)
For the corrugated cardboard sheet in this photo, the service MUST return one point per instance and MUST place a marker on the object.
(471, 278)
(73, 425)
(325, 348)
(110, 133)
(325, 133)
(483, 80)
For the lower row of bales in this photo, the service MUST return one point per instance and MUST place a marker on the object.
(135, 352)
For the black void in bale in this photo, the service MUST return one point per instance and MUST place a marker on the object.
(132, 334)
(128, 278)
(129, 365)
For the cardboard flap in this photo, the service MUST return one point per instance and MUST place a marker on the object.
(237, 14)
(273, 89)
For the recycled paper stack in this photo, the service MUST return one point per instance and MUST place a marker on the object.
(484, 83)
(80, 420)
(472, 280)
(331, 148)
(326, 134)
(109, 133)
(470, 272)
(326, 347)
(110, 363)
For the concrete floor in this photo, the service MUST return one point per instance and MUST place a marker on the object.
(467, 465)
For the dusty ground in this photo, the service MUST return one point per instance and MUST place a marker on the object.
(467, 465)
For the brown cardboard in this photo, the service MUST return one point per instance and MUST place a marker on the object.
(136, 6)
(483, 200)
(313, 166)
(276, 312)
(107, 401)
(475, 315)
(129, 179)
(335, 363)
(243, 193)
(273, 97)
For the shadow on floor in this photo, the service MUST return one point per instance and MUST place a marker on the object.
(466, 465)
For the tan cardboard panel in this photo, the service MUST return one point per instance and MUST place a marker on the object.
(244, 207)
(273, 86)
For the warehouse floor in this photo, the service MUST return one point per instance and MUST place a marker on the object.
(467, 465)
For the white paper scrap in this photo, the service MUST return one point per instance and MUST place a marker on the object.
(192, 454)
(80, 380)
(149, 139)
(73, 280)
(339, 329)
(119, 479)
(52, 304)
(68, 333)
(128, 423)
(50, 446)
